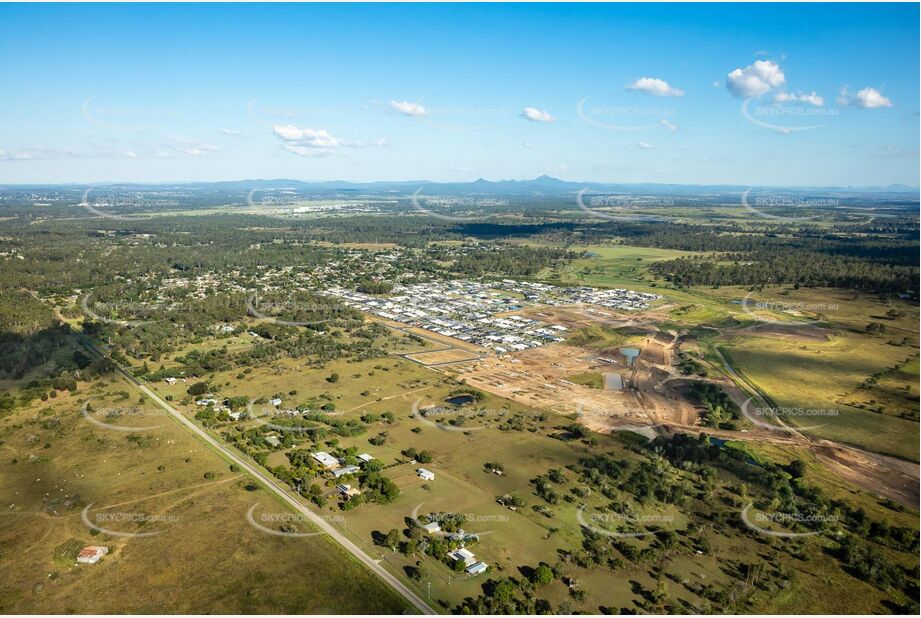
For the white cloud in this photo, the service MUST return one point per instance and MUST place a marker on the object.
(755, 80)
(313, 138)
(309, 142)
(527, 144)
(800, 97)
(228, 132)
(717, 84)
(656, 87)
(407, 108)
(866, 98)
(537, 115)
(644, 145)
(668, 125)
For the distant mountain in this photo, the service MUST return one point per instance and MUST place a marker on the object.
(547, 186)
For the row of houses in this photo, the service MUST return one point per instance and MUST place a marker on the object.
(472, 310)
(466, 310)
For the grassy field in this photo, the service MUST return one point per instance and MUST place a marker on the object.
(204, 557)
(512, 540)
(823, 368)
(612, 265)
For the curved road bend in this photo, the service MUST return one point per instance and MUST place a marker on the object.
(251, 469)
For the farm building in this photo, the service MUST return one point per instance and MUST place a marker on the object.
(91, 554)
(432, 527)
(476, 568)
(425, 475)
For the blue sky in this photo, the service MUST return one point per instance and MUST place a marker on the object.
(754, 94)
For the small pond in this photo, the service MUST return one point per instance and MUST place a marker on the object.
(631, 354)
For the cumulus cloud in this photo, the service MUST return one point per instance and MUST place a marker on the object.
(313, 138)
(756, 79)
(407, 108)
(866, 98)
(800, 97)
(656, 87)
(643, 145)
(537, 115)
(308, 142)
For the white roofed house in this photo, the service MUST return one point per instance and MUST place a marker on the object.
(339, 472)
(432, 527)
(476, 568)
(325, 459)
(463, 555)
(425, 475)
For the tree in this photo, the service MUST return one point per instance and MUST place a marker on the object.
(796, 468)
(199, 388)
(892, 314)
(392, 540)
(542, 575)
(660, 593)
(333, 378)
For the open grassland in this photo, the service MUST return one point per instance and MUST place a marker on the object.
(712, 552)
(810, 379)
(615, 265)
(820, 358)
(203, 555)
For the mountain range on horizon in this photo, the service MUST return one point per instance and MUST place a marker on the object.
(541, 185)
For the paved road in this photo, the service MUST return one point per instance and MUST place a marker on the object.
(270, 482)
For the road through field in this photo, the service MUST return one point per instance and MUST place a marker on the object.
(270, 483)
